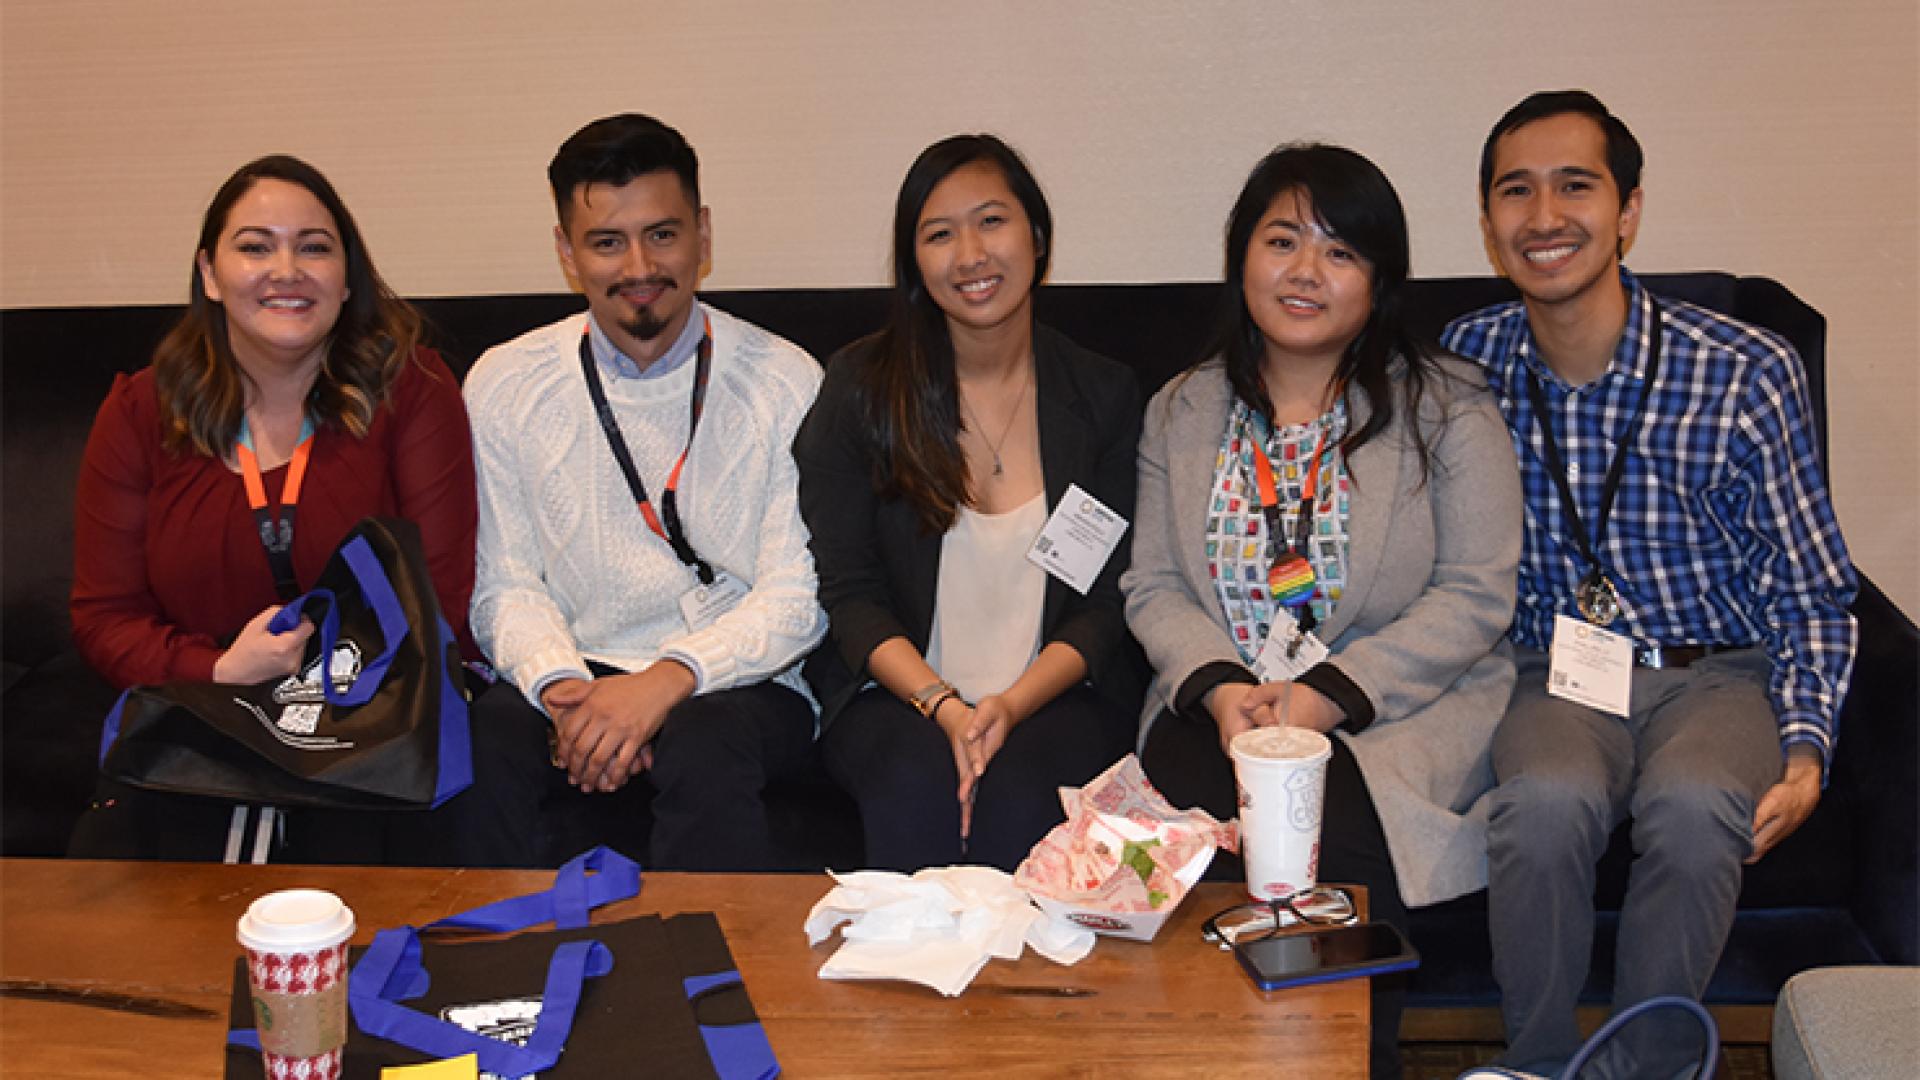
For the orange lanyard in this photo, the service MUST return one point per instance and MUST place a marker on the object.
(1290, 578)
(275, 524)
(1270, 499)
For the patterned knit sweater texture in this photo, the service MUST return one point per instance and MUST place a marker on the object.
(568, 570)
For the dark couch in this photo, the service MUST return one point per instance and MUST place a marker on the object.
(1841, 890)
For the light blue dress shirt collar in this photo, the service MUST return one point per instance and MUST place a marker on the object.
(620, 366)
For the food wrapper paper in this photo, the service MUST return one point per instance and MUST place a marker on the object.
(1124, 858)
(937, 928)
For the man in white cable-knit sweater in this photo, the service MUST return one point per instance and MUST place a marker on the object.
(648, 614)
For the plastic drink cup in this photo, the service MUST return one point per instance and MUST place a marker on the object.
(1281, 774)
(296, 944)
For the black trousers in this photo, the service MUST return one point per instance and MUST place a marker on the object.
(711, 760)
(1183, 759)
(898, 766)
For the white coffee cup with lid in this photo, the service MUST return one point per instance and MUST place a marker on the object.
(296, 943)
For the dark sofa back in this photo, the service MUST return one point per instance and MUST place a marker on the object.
(56, 365)
(1841, 890)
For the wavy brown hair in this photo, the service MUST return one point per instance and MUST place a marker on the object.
(910, 396)
(202, 387)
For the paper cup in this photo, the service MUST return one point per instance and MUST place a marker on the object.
(296, 944)
(1281, 773)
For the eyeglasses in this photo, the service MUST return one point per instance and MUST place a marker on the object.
(1319, 906)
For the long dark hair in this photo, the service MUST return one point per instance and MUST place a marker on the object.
(910, 396)
(201, 386)
(1351, 199)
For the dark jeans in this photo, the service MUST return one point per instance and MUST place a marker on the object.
(712, 758)
(898, 766)
(1183, 759)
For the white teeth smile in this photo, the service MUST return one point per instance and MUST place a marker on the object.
(975, 288)
(281, 303)
(1296, 304)
(1553, 254)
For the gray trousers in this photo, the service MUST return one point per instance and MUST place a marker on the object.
(1688, 766)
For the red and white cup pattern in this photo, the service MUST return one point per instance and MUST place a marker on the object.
(299, 1002)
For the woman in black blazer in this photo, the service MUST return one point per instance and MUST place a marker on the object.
(961, 685)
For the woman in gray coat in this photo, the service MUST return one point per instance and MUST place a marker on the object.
(1323, 479)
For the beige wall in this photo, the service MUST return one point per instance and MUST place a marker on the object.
(1781, 136)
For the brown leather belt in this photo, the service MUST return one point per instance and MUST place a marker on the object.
(1674, 656)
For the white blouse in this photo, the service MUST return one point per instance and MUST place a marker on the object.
(988, 603)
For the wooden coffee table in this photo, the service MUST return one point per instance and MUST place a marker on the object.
(1175, 1007)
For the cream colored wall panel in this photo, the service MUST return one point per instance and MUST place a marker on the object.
(1781, 140)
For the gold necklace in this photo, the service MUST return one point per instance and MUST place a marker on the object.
(993, 447)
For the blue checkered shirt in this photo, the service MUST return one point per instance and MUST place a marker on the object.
(1722, 532)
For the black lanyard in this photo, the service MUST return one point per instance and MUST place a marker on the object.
(276, 527)
(1610, 487)
(673, 532)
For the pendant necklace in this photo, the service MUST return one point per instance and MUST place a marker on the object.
(993, 447)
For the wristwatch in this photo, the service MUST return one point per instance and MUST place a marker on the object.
(930, 697)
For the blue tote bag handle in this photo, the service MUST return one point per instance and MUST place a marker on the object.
(566, 905)
(379, 595)
(390, 972)
(738, 1051)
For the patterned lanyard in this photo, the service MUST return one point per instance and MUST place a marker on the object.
(1290, 577)
(673, 532)
(275, 524)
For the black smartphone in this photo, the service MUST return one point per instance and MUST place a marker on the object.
(1325, 954)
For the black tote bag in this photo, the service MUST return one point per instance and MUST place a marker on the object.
(375, 717)
(667, 1000)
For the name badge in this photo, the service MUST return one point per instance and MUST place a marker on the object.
(1079, 538)
(702, 604)
(1288, 651)
(1590, 665)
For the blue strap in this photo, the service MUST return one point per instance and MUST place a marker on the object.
(111, 730)
(738, 1051)
(390, 971)
(567, 905)
(247, 1037)
(1710, 1034)
(379, 595)
(288, 617)
(455, 760)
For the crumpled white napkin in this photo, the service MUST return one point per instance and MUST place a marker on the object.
(937, 928)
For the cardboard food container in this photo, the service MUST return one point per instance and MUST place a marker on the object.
(1124, 859)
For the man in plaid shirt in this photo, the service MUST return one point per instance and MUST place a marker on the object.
(1683, 590)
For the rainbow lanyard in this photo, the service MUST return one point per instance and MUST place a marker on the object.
(1290, 577)
(275, 524)
(666, 524)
